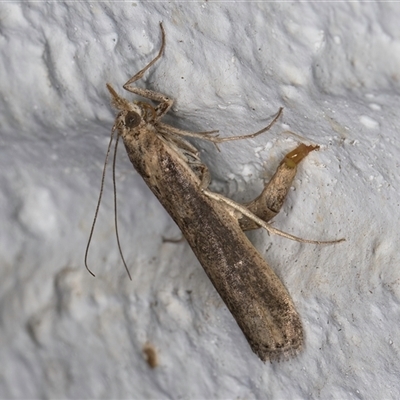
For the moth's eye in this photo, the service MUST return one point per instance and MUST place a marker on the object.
(132, 119)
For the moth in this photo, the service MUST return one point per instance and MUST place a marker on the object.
(212, 224)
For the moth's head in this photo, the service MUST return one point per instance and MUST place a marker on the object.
(132, 114)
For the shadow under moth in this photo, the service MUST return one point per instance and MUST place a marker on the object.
(212, 224)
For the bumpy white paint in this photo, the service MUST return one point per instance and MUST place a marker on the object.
(333, 66)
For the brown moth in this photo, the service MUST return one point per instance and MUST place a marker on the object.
(212, 224)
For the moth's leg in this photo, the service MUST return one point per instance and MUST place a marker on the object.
(171, 240)
(177, 136)
(204, 176)
(270, 201)
(180, 132)
(202, 173)
(165, 101)
(185, 150)
(251, 135)
(215, 139)
(192, 158)
(189, 154)
(241, 209)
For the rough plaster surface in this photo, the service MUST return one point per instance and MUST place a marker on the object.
(335, 70)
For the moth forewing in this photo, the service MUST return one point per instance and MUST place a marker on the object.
(251, 290)
(253, 293)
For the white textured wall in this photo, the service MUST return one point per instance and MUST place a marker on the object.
(335, 68)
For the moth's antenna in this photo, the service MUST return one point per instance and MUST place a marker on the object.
(99, 200)
(115, 207)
